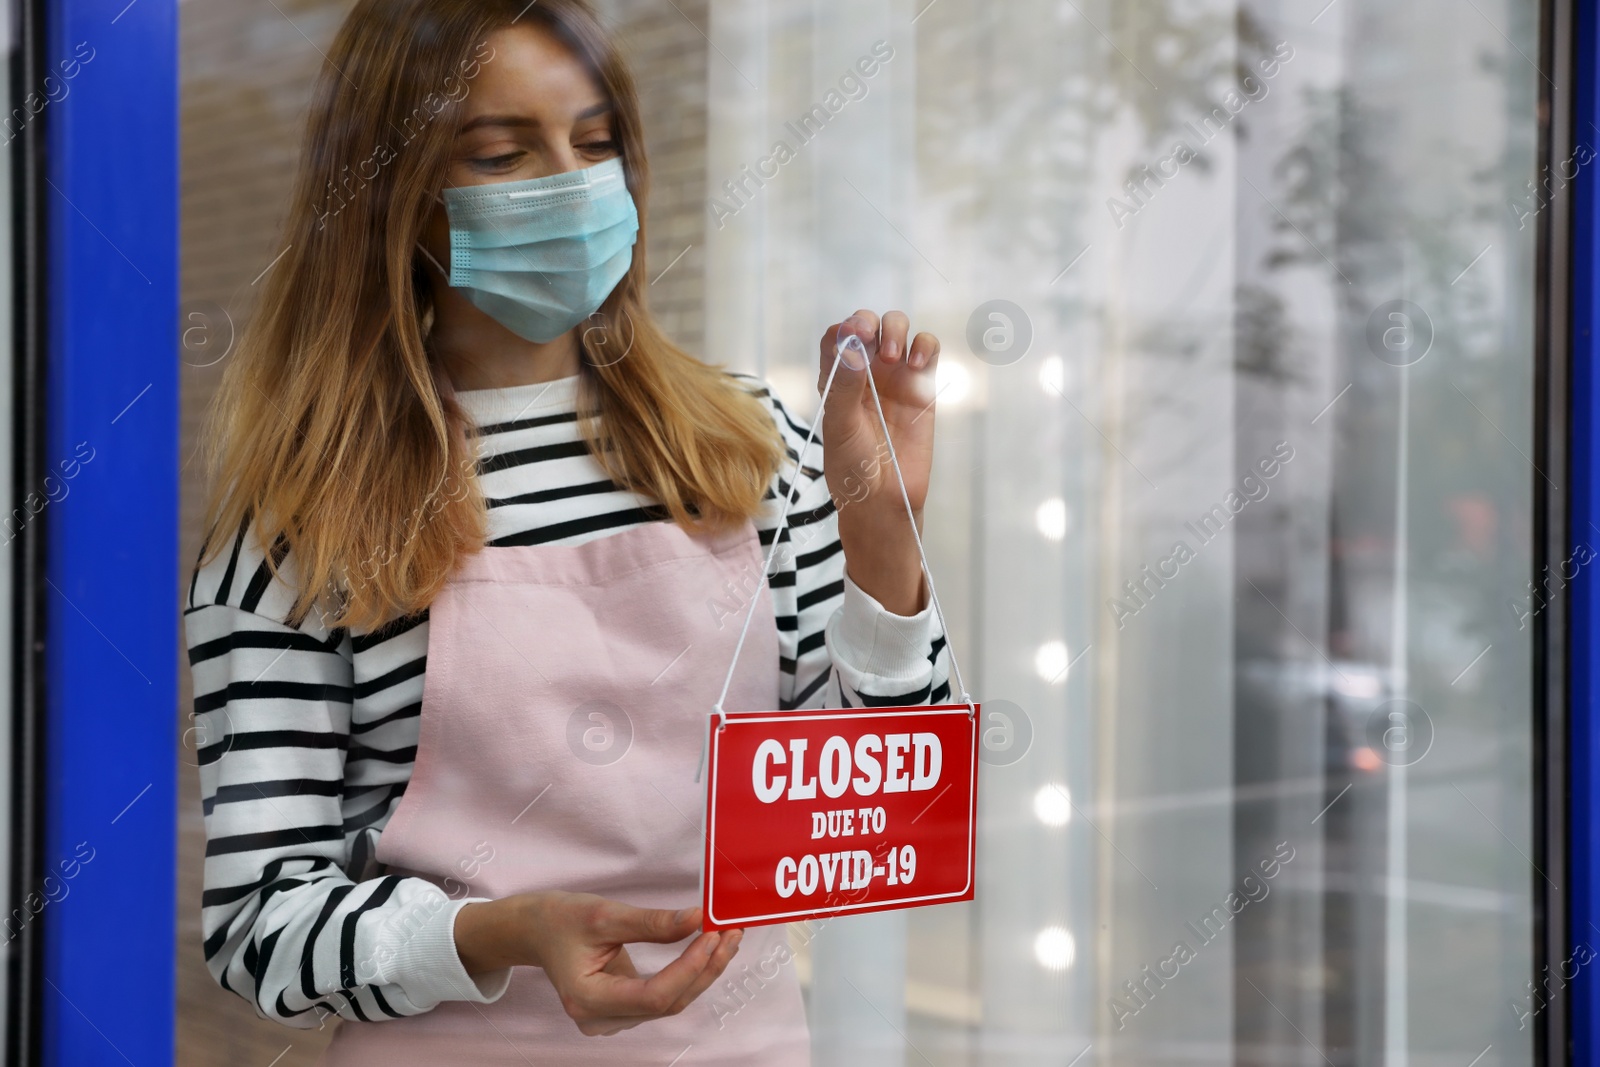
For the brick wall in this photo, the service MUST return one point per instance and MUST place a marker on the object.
(247, 70)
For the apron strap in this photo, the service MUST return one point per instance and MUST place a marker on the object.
(851, 343)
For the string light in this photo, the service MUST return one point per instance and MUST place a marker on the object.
(1050, 662)
(1053, 805)
(1052, 519)
(952, 382)
(1053, 375)
(1055, 948)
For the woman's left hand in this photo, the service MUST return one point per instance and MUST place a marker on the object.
(880, 552)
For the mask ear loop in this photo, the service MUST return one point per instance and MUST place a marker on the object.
(435, 262)
(440, 198)
(850, 344)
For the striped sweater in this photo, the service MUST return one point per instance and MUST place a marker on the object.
(308, 735)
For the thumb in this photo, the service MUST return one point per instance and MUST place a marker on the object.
(850, 352)
(627, 924)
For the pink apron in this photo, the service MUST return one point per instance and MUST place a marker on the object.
(563, 716)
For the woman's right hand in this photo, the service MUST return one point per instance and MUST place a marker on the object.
(579, 938)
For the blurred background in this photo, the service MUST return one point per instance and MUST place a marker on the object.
(1231, 511)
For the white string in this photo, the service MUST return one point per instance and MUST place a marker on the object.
(783, 517)
(911, 515)
(772, 550)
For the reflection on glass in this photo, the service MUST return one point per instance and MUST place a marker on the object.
(1231, 523)
(1232, 515)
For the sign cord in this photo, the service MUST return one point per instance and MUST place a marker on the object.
(783, 517)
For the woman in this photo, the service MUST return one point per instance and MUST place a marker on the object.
(453, 713)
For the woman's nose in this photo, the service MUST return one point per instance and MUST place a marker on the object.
(562, 158)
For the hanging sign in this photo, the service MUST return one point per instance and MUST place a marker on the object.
(820, 812)
(837, 812)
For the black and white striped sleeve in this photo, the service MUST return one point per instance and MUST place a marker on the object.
(838, 646)
(285, 925)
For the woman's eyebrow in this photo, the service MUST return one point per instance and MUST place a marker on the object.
(500, 120)
(528, 122)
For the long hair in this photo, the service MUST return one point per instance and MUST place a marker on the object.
(335, 429)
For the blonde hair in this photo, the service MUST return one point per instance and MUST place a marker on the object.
(335, 429)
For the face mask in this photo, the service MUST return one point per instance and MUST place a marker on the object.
(540, 256)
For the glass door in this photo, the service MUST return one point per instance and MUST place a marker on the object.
(1232, 500)
(1231, 505)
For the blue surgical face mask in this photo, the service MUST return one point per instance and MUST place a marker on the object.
(540, 256)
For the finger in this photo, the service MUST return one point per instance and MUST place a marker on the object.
(719, 963)
(626, 924)
(849, 379)
(621, 964)
(924, 352)
(605, 1027)
(715, 964)
(611, 995)
(830, 347)
(892, 337)
(864, 324)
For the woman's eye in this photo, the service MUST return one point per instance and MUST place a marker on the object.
(497, 162)
(597, 147)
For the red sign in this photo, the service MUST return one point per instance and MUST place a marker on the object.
(835, 812)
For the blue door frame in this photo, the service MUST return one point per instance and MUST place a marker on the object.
(112, 569)
(110, 606)
(1584, 539)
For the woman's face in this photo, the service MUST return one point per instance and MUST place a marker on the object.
(533, 110)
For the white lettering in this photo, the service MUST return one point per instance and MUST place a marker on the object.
(808, 875)
(862, 874)
(895, 748)
(835, 766)
(866, 783)
(928, 760)
(800, 790)
(893, 763)
(768, 788)
(830, 865)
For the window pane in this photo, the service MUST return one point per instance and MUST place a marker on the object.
(1230, 511)
(1237, 541)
